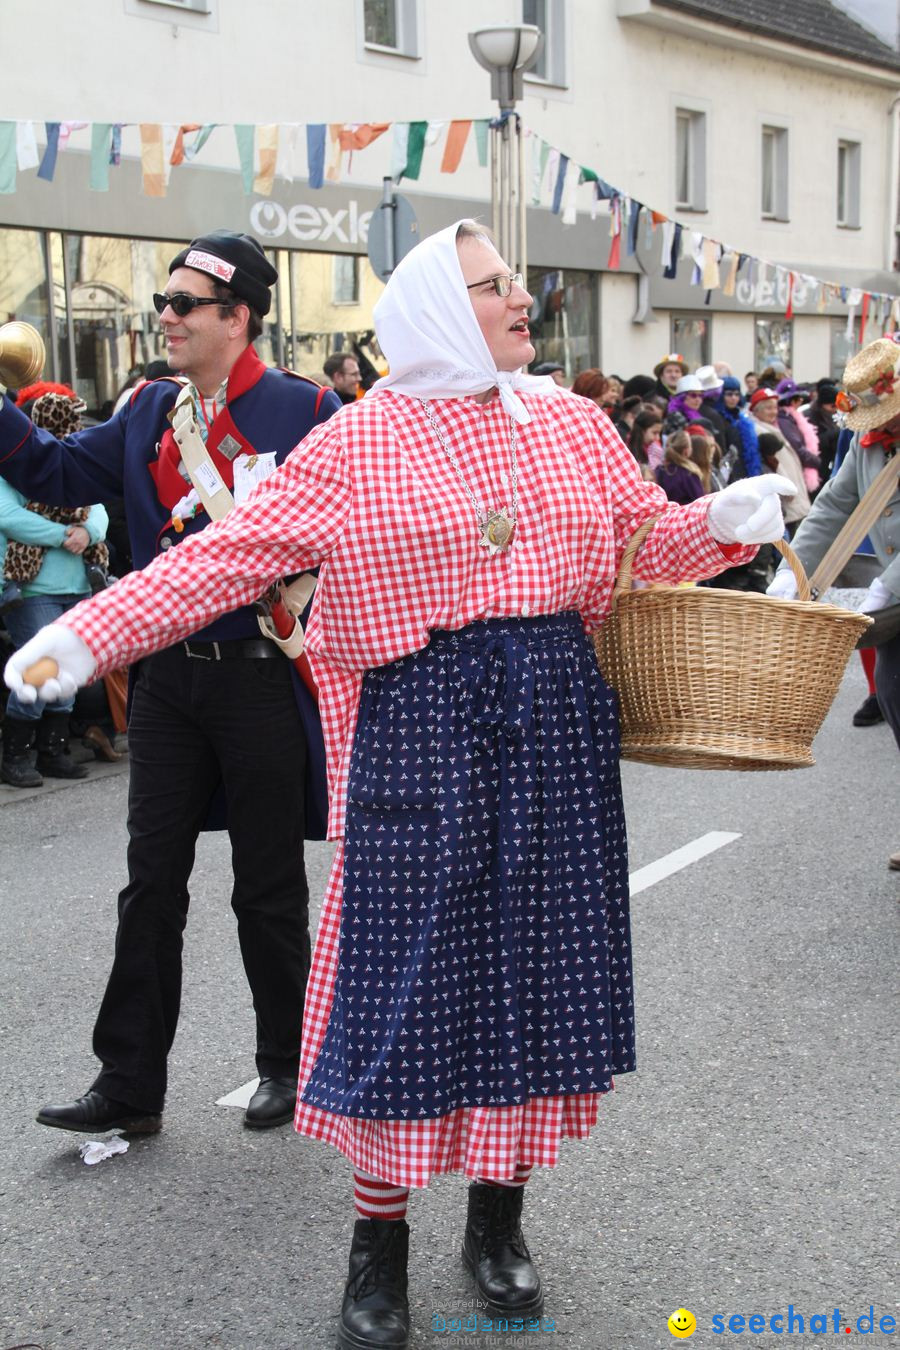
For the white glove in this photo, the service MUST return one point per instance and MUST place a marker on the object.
(64, 646)
(877, 596)
(749, 511)
(185, 509)
(784, 586)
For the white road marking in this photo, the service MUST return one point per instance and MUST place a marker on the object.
(241, 1096)
(639, 881)
(682, 857)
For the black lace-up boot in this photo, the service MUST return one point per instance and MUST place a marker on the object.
(53, 757)
(494, 1250)
(375, 1312)
(17, 767)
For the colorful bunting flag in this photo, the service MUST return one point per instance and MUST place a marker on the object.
(286, 158)
(48, 161)
(192, 151)
(730, 282)
(399, 150)
(570, 196)
(245, 137)
(101, 140)
(178, 153)
(710, 264)
(454, 146)
(633, 222)
(26, 146)
(315, 153)
(153, 167)
(415, 149)
(559, 184)
(482, 126)
(267, 147)
(7, 157)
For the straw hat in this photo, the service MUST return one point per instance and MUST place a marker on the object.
(870, 396)
(673, 359)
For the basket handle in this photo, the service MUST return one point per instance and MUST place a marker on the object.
(796, 566)
(623, 580)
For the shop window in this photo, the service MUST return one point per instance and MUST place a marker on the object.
(690, 159)
(391, 26)
(564, 318)
(848, 181)
(550, 17)
(24, 293)
(690, 336)
(842, 348)
(774, 342)
(321, 325)
(774, 173)
(345, 279)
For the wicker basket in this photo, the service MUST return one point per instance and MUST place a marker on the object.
(716, 679)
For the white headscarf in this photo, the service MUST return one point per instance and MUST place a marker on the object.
(426, 327)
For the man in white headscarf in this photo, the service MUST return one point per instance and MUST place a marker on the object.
(470, 998)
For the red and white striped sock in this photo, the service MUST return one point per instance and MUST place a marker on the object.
(522, 1174)
(378, 1199)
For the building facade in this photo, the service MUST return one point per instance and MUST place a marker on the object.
(776, 134)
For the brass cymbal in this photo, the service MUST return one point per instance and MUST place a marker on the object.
(22, 354)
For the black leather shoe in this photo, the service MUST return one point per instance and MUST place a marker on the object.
(375, 1311)
(93, 1114)
(868, 714)
(272, 1103)
(495, 1252)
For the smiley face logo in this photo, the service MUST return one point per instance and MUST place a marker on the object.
(682, 1323)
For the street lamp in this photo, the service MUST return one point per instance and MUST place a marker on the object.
(507, 51)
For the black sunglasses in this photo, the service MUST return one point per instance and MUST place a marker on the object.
(182, 303)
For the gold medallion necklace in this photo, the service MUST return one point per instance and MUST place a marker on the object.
(497, 528)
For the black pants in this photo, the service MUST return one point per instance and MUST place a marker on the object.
(887, 683)
(193, 723)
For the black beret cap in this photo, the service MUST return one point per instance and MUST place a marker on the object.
(235, 260)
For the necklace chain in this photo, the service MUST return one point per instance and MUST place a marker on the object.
(483, 516)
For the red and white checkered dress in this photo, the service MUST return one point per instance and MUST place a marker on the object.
(371, 498)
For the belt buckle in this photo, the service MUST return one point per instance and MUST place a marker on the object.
(201, 656)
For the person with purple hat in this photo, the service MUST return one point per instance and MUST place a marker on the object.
(797, 431)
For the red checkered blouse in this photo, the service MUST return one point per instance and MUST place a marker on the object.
(371, 498)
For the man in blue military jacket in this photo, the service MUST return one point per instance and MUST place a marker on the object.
(225, 710)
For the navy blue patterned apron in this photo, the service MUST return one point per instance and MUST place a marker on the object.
(484, 950)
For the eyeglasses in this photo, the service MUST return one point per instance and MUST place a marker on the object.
(182, 303)
(501, 285)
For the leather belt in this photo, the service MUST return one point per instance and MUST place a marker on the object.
(255, 649)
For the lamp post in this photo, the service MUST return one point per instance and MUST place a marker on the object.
(507, 51)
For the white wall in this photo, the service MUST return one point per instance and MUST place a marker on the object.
(286, 61)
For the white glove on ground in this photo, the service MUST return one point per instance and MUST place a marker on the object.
(185, 509)
(749, 511)
(784, 585)
(877, 596)
(64, 646)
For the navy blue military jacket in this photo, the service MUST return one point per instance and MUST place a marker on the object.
(112, 459)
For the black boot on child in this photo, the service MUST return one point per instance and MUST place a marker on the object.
(54, 759)
(17, 767)
(495, 1252)
(375, 1312)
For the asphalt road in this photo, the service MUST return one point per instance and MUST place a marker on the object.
(749, 1164)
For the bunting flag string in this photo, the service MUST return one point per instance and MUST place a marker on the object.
(272, 150)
